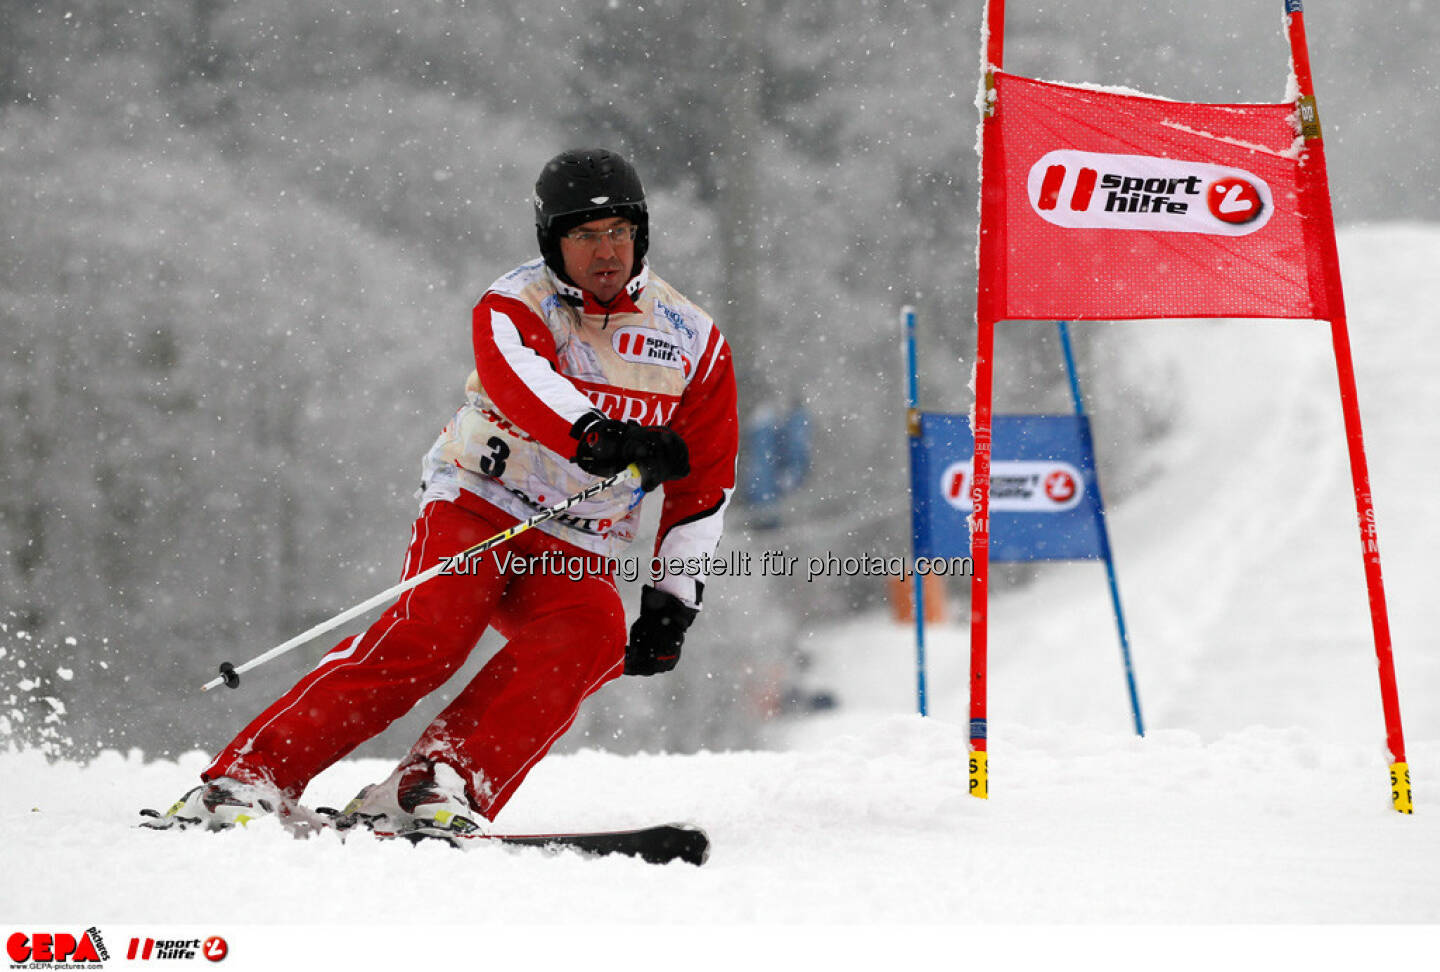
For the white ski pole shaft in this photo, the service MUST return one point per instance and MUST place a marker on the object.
(230, 674)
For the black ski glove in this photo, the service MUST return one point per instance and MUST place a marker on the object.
(658, 633)
(608, 446)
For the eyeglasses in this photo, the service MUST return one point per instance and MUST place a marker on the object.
(591, 238)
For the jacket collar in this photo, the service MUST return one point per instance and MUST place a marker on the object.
(625, 302)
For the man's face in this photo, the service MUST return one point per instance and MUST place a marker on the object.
(598, 255)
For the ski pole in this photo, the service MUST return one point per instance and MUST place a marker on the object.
(230, 673)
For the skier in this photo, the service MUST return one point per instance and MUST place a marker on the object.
(585, 362)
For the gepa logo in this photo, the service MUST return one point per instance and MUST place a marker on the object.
(645, 346)
(45, 949)
(1093, 190)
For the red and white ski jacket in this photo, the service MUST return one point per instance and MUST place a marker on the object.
(546, 353)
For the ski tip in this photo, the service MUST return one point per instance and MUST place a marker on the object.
(700, 850)
(662, 844)
(693, 844)
(696, 836)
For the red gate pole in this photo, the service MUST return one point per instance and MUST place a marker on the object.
(1313, 159)
(992, 252)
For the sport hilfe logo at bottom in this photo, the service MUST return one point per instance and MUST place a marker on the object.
(213, 948)
(1095, 190)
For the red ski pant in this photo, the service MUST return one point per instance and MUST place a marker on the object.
(565, 638)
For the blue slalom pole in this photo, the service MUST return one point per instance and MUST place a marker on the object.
(912, 422)
(1087, 442)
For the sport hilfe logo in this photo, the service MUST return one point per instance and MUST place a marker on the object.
(213, 948)
(647, 346)
(1094, 190)
(1017, 486)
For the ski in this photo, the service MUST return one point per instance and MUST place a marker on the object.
(661, 844)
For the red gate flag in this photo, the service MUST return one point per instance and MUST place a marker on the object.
(1097, 205)
(1109, 206)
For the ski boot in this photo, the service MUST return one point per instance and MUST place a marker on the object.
(218, 804)
(412, 800)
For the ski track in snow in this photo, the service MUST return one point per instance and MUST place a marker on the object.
(1258, 797)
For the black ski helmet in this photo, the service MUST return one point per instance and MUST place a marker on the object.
(579, 185)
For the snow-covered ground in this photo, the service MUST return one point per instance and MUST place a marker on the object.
(1256, 806)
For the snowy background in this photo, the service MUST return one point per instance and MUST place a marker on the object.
(235, 287)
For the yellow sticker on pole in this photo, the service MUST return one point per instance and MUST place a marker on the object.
(979, 774)
(1400, 787)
